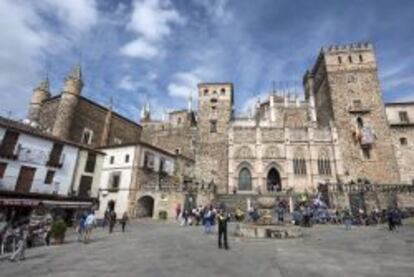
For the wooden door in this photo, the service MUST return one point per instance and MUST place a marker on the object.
(25, 179)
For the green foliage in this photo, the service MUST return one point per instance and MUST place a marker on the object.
(58, 228)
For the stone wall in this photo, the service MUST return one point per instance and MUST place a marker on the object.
(353, 78)
(404, 152)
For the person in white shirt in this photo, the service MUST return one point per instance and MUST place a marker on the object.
(89, 224)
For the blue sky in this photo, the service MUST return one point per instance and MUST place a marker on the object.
(133, 50)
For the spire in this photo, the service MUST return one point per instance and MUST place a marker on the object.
(76, 72)
(44, 85)
(146, 111)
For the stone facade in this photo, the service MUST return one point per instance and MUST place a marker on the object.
(401, 120)
(338, 133)
(345, 78)
(70, 116)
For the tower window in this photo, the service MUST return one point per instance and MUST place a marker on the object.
(213, 100)
(360, 122)
(87, 136)
(361, 59)
(222, 91)
(339, 59)
(366, 153)
(404, 117)
(213, 126)
(205, 92)
(350, 59)
(179, 120)
(403, 141)
(126, 158)
(111, 159)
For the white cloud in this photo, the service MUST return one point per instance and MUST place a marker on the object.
(184, 84)
(128, 83)
(26, 37)
(152, 22)
(80, 15)
(217, 10)
(140, 49)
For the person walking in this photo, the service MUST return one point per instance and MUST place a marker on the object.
(112, 220)
(222, 220)
(347, 219)
(207, 221)
(177, 211)
(81, 227)
(90, 222)
(391, 219)
(21, 233)
(124, 221)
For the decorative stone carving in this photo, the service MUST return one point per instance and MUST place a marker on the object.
(244, 152)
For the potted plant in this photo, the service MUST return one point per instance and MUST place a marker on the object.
(58, 231)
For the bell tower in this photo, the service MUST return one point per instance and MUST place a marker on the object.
(215, 111)
(347, 94)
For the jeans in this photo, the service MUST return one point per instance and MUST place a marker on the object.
(207, 226)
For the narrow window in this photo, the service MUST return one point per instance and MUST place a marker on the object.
(404, 117)
(366, 152)
(403, 141)
(222, 91)
(162, 165)
(55, 157)
(87, 136)
(49, 177)
(126, 158)
(111, 159)
(90, 162)
(8, 144)
(339, 59)
(350, 59)
(3, 167)
(114, 181)
(360, 122)
(213, 126)
(299, 166)
(205, 92)
(361, 59)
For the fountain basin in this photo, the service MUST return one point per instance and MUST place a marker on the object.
(268, 231)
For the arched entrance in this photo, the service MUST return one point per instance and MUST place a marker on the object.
(273, 180)
(145, 207)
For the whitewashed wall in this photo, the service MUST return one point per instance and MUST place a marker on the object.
(37, 157)
(121, 196)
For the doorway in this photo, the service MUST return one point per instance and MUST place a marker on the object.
(145, 207)
(273, 180)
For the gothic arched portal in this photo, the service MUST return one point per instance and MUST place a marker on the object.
(274, 182)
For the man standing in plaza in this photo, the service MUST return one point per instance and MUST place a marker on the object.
(222, 220)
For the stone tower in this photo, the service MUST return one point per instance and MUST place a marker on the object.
(215, 110)
(40, 94)
(68, 102)
(345, 87)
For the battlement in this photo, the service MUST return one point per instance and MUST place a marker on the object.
(345, 48)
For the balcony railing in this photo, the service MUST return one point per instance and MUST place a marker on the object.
(8, 183)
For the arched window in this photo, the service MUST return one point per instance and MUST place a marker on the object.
(339, 59)
(350, 59)
(324, 164)
(360, 122)
(361, 59)
(245, 179)
(299, 163)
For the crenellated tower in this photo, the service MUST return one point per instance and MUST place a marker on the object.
(346, 92)
(215, 110)
(67, 106)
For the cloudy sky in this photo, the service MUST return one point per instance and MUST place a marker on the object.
(133, 50)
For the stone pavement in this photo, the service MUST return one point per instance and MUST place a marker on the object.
(165, 249)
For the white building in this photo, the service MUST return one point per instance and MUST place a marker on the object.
(36, 166)
(127, 171)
